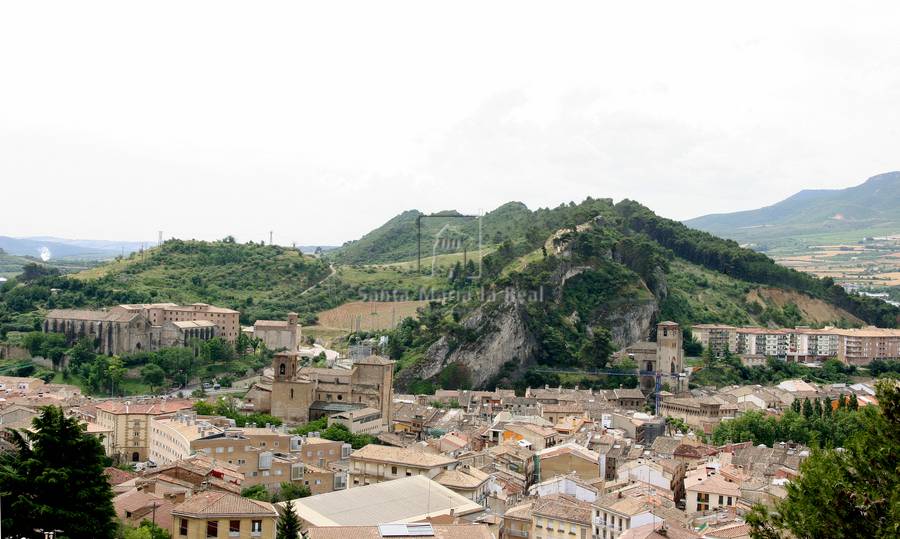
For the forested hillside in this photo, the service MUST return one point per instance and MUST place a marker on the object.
(259, 280)
(599, 283)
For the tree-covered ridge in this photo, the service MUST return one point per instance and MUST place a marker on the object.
(262, 281)
(396, 240)
(726, 256)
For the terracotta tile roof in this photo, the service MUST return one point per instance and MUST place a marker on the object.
(521, 511)
(467, 479)
(116, 476)
(155, 408)
(654, 530)
(713, 484)
(402, 455)
(224, 504)
(563, 507)
(729, 531)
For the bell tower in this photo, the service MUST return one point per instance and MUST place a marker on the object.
(669, 351)
(285, 365)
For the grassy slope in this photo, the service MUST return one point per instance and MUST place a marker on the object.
(11, 265)
(261, 281)
(698, 295)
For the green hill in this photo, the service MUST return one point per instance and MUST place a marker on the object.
(567, 300)
(11, 265)
(815, 216)
(396, 240)
(259, 280)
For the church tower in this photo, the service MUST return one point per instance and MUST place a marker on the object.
(292, 395)
(285, 365)
(669, 351)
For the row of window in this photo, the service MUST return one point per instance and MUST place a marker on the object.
(212, 527)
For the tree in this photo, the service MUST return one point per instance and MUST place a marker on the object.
(595, 354)
(146, 530)
(153, 376)
(850, 493)
(288, 524)
(115, 371)
(54, 480)
(854, 403)
(292, 491)
(795, 405)
(257, 492)
(807, 409)
(817, 408)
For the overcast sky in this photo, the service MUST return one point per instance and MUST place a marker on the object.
(322, 121)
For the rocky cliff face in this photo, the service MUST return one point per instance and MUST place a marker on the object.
(503, 337)
(631, 323)
(502, 342)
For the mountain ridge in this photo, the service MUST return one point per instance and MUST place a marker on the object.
(870, 207)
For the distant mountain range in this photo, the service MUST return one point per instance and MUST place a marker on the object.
(65, 248)
(814, 216)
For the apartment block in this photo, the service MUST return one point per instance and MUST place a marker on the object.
(377, 463)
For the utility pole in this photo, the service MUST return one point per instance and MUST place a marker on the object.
(159, 242)
(270, 237)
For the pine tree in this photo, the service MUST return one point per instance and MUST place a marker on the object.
(54, 480)
(795, 405)
(854, 492)
(854, 404)
(288, 524)
(807, 409)
(841, 403)
(817, 408)
(827, 412)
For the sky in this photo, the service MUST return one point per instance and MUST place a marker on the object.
(320, 121)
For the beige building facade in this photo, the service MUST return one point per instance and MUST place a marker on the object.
(129, 425)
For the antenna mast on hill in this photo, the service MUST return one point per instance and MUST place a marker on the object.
(159, 242)
(270, 237)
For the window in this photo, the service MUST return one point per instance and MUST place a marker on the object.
(212, 528)
(234, 528)
(721, 500)
(182, 527)
(538, 522)
(256, 526)
(729, 500)
(394, 470)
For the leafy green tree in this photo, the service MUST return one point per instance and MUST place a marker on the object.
(817, 408)
(854, 403)
(153, 375)
(595, 354)
(288, 526)
(850, 493)
(257, 492)
(115, 371)
(291, 491)
(795, 405)
(146, 530)
(54, 480)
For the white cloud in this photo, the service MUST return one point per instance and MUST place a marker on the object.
(322, 121)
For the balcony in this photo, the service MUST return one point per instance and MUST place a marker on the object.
(516, 533)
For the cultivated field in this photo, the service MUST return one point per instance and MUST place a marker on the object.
(368, 315)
